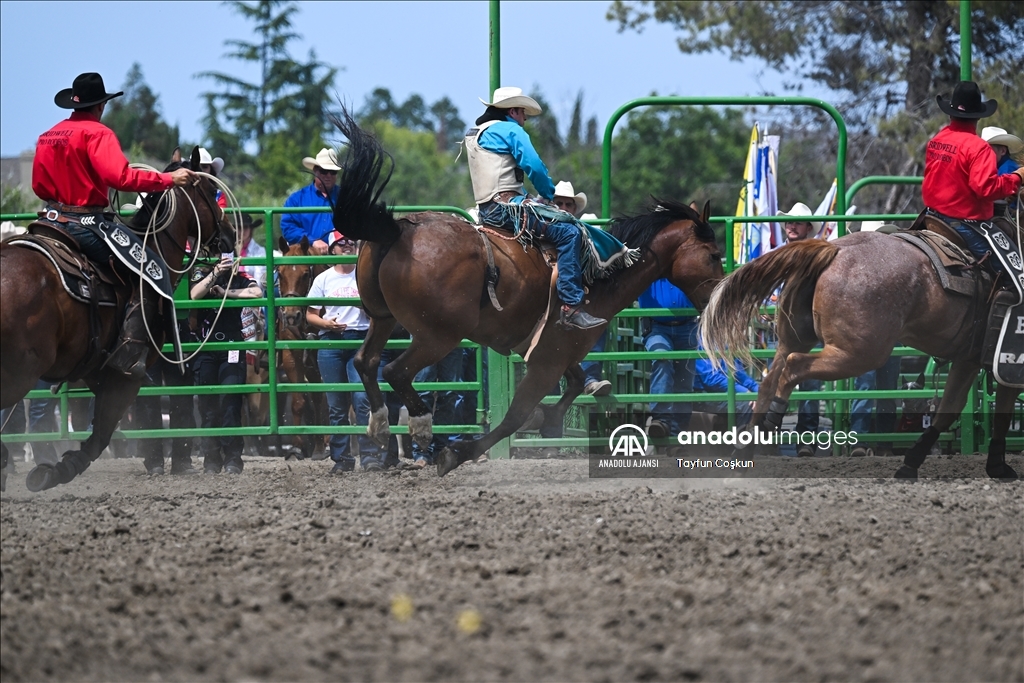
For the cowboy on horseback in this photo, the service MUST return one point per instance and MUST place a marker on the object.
(961, 181)
(500, 155)
(75, 162)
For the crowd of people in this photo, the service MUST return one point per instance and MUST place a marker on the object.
(501, 155)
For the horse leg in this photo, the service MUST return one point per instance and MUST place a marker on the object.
(996, 467)
(292, 371)
(954, 397)
(114, 393)
(367, 361)
(534, 386)
(399, 373)
(554, 415)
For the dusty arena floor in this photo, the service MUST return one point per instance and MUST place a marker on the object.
(516, 570)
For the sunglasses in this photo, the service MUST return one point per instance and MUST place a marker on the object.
(324, 171)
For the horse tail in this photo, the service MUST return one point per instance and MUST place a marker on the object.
(737, 298)
(359, 214)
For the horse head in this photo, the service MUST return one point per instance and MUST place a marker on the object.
(294, 280)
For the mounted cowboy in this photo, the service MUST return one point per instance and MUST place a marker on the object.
(75, 163)
(501, 154)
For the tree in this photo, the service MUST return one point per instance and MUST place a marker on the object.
(290, 98)
(880, 54)
(440, 118)
(137, 121)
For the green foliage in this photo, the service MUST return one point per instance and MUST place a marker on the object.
(15, 200)
(684, 153)
(290, 99)
(440, 118)
(136, 119)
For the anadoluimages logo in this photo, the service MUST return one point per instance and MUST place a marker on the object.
(628, 441)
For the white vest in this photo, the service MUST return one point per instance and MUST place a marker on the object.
(491, 173)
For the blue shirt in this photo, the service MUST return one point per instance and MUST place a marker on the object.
(1007, 166)
(713, 381)
(664, 294)
(314, 226)
(508, 137)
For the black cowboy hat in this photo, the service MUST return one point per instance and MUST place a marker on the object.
(249, 222)
(965, 103)
(86, 91)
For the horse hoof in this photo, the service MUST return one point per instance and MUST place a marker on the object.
(859, 452)
(1002, 473)
(906, 473)
(446, 462)
(3, 480)
(42, 477)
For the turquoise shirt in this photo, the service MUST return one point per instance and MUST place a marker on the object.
(508, 137)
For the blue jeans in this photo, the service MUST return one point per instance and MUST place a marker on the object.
(567, 240)
(448, 369)
(220, 410)
(592, 368)
(336, 365)
(672, 376)
(93, 247)
(976, 243)
(885, 377)
(808, 413)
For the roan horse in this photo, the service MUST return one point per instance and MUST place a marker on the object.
(299, 366)
(427, 272)
(859, 295)
(46, 333)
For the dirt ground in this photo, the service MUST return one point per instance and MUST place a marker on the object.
(516, 570)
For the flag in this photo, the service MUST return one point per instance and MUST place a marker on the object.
(829, 229)
(759, 197)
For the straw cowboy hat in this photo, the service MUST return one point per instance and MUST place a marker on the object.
(998, 136)
(87, 90)
(565, 189)
(511, 97)
(966, 103)
(800, 209)
(215, 162)
(325, 159)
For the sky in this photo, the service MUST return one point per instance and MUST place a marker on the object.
(434, 49)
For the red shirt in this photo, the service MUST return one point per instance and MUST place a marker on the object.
(960, 178)
(79, 158)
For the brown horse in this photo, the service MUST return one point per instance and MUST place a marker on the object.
(46, 333)
(299, 366)
(427, 272)
(858, 295)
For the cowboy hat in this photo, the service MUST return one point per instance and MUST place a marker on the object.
(565, 189)
(800, 209)
(998, 136)
(325, 159)
(249, 222)
(87, 91)
(511, 97)
(216, 163)
(966, 103)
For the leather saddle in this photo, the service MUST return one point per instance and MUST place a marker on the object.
(85, 281)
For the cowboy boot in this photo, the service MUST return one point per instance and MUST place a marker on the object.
(578, 318)
(130, 355)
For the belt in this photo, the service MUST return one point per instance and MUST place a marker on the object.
(671, 323)
(68, 208)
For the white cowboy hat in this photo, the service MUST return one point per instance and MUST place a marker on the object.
(998, 136)
(206, 158)
(565, 189)
(870, 226)
(325, 159)
(801, 209)
(510, 97)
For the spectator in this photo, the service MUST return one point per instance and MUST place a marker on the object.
(885, 377)
(221, 367)
(709, 380)
(316, 227)
(342, 322)
(448, 369)
(669, 376)
(808, 412)
(148, 413)
(213, 166)
(1005, 146)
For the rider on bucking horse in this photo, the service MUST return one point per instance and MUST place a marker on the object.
(500, 155)
(961, 182)
(75, 162)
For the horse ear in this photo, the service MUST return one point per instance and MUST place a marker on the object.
(305, 244)
(705, 213)
(282, 244)
(176, 156)
(193, 160)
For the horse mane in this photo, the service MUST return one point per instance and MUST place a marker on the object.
(638, 231)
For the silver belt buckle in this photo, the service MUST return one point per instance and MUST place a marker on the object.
(52, 214)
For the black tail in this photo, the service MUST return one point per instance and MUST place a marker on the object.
(359, 214)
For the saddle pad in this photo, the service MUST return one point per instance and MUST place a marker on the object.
(943, 255)
(78, 284)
